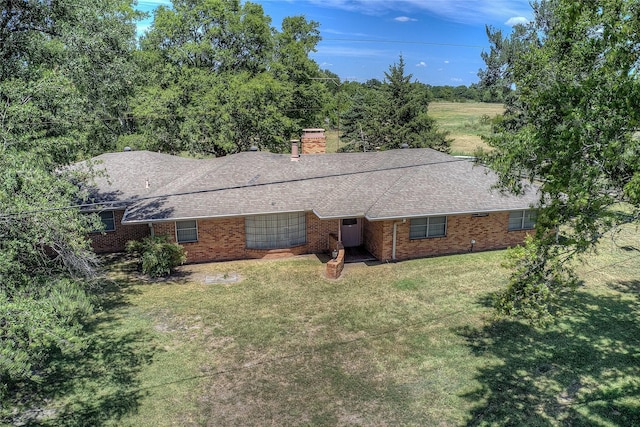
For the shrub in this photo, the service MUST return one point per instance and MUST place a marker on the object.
(157, 256)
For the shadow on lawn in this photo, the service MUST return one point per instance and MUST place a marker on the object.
(582, 371)
(97, 384)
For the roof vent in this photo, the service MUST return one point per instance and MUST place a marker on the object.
(405, 145)
(126, 149)
(253, 148)
(295, 155)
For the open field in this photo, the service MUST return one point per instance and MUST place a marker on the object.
(411, 343)
(464, 122)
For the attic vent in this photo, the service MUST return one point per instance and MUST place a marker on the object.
(253, 148)
(126, 149)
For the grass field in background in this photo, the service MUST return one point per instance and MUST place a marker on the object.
(463, 121)
(410, 343)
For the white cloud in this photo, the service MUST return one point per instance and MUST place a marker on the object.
(446, 62)
(516, 20)
(493, 12)
(456, 79)
(421, 64)
(404, 19)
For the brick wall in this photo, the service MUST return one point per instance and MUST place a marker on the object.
(224, 239)
(115, 241)
(373, 236)
(489, 232)
(334, 267)
(218, 239)
(313, 141)
(318, 232)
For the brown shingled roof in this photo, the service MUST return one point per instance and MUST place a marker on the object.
(377, 185)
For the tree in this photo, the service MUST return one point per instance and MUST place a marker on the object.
(220, 79)
(52, 113)
(392, 113)
(570, 127)
(67, 63)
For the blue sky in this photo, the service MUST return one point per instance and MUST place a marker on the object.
(440, 40)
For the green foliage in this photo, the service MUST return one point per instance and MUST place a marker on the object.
(219, 79)
(537, 284)
(64, 74)
(387, 115)
(45, 266)
(37, 321)
(158, 257)
(570, 121)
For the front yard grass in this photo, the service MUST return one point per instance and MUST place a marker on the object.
(411, 343)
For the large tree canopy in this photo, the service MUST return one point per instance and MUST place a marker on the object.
(219, 79)
(64, 73)
(571, 125)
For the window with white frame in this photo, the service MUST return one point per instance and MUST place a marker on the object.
(186, 231)
(522, 220)
(433, 226)
(276, 231)
(108, 220)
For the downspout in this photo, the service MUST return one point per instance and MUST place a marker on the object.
(151, 230)
(395, 238)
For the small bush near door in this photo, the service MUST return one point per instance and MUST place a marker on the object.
(156, 255)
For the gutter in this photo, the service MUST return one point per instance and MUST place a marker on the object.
(191, 218)
(403, 217)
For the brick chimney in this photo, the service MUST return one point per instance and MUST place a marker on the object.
(313, 141)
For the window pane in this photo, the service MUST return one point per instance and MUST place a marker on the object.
(275, 231)
(418, 228)
(108, 220)
(186, 231)
(530, 219)
(428, 227)
(515, 220)
(437, 226)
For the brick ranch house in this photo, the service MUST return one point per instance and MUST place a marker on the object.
(397, 204)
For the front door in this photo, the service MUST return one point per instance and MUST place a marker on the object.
(351, 230)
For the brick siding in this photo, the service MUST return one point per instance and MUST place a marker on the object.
(115, 241)
(224, 239)
(373, 235)
(314, 146)
(313, 141)
(489, 232)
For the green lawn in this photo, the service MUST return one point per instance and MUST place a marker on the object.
(411, 343)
